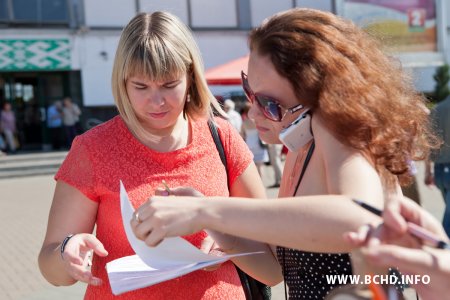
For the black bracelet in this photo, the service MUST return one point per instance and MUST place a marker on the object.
(64, 243)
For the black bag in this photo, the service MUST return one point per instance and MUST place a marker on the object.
(253, 289)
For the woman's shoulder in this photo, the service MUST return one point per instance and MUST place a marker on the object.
(112, 125)
(106, 132)
(222, 124)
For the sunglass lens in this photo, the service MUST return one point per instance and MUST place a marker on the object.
(270, 107)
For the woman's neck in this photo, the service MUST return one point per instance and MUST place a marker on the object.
(169, 139)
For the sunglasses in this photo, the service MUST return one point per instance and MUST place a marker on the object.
(270, 107)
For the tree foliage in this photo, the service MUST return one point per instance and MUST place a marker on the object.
(442, 77)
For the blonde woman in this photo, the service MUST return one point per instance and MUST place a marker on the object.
(160, 134)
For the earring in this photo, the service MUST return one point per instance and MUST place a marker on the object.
(188, 98)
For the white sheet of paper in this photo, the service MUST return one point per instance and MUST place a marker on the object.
(171, 251)
(172, 258)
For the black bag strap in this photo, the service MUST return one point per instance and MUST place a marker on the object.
(219, 145)
(305, 165)
(253, 289)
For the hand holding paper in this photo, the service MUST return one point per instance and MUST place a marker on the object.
(172, 258)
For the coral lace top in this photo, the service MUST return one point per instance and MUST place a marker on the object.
(108, 153)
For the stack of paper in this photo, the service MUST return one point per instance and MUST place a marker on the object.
(172, 258)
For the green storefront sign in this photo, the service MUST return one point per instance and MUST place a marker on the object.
(34, 55)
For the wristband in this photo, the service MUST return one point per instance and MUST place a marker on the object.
(64, 243)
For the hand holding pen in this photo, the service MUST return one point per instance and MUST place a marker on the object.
(177, 191)
(404, 216)
(419, 232)
(166, 187)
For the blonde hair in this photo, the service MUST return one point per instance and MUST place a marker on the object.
(159, 46)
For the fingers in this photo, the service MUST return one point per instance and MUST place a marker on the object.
(212, 268)
(162, 192)
(144, 212)
(93, 243)
(399, 211)
(155, 237)
(71, 252)
(77, 257)
(82, 274)
(144, 227)
(358, 238)
(392, 216)
(185, 191)
(416, 261)
(207, 245)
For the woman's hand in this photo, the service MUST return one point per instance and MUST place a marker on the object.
(178, 191)
(431, 265)
(400, 210)
(394, 229)
(209, 246)
(391, 245)
(163, 216)
(77, 257)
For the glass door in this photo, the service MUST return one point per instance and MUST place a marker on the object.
(26, 106)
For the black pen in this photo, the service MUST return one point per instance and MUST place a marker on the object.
(413, 229)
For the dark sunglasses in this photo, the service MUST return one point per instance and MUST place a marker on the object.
(270, 107)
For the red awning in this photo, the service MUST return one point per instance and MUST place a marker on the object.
(228, 73)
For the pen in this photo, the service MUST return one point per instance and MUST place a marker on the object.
(413, 229)
(165, 186)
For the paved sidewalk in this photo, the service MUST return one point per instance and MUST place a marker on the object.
(24, 208)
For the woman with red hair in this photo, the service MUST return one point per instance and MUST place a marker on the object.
(352, 122)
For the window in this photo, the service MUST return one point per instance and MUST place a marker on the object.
(55, 11)
(201, 16)
(25, 10)
(4, 14)
(35, 12)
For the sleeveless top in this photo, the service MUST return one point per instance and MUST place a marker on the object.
(306, 273)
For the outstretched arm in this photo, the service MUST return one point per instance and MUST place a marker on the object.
(309, 223)
(71, 213)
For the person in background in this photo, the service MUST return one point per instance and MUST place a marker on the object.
(3, 145)
(70, 116)
(411, 191)
(350, 138)
(8, 125)
(253, 141)
(233, 116)
(384, 246)
(161, 134)
(54, 124)
(440, 115)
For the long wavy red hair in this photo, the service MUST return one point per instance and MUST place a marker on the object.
(365, 98)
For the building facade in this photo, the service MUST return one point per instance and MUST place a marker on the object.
(55, 48)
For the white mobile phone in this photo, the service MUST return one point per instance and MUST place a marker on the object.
(298, 133)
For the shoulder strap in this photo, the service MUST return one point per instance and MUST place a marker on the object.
(305, 165)
(219, 145)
